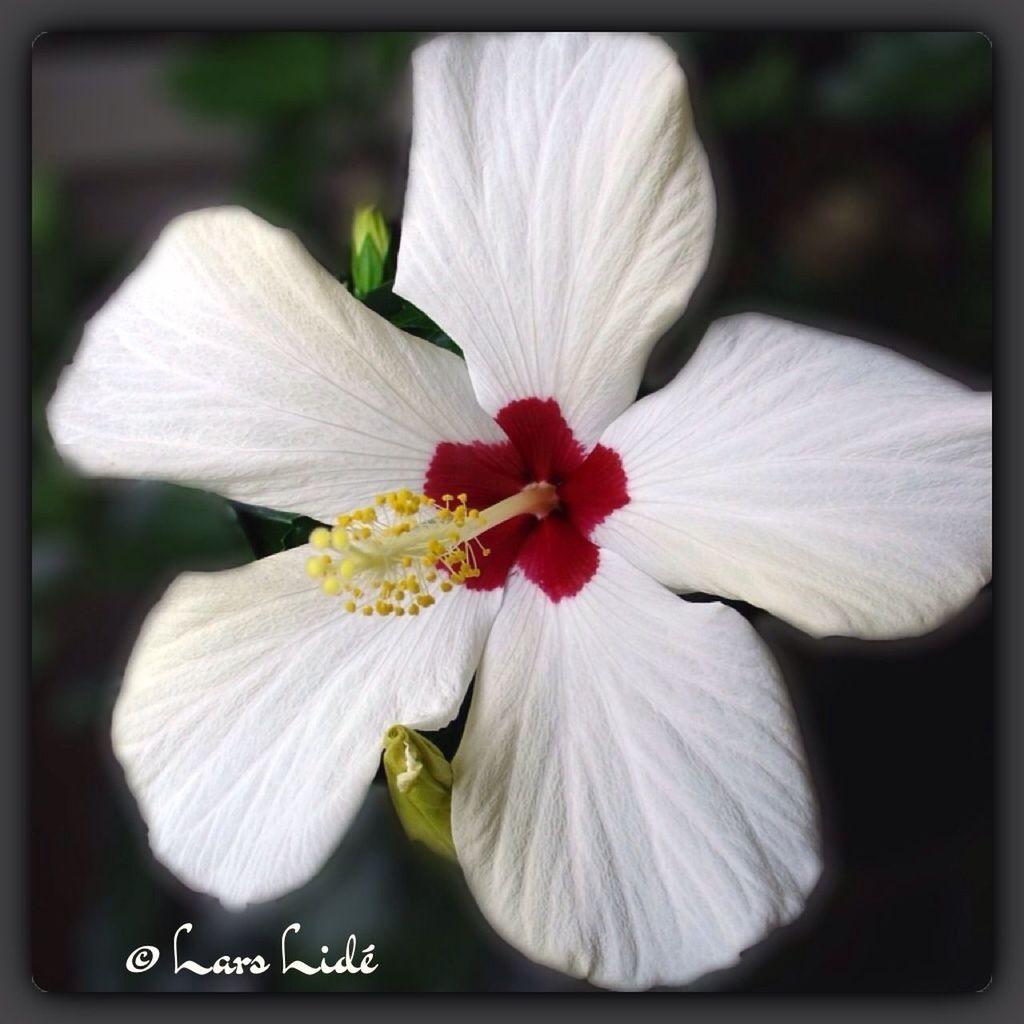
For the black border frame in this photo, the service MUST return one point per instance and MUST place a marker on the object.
(1000, 22)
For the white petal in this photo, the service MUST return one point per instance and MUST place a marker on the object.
(834, 483)
(252, 710)
(558, 214)
(230, 359)
(631, 804)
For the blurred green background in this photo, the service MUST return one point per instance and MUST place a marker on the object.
(854, 174)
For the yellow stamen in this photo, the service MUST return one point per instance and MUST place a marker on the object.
(315, 566)
(408, 547)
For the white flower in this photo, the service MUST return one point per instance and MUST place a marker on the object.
(630, 801)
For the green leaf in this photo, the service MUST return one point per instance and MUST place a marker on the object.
(254, 75)
(765, 88)
(45, 211)
(406, 317)
(410, 319)
(278, 181)
(979, 188)
(930, 74)
(269, 531)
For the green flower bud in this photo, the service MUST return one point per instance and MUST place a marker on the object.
(420, 784)
(370, 243)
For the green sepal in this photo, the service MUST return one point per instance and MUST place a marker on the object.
(371, 243)
(367, 270)
(420, 783)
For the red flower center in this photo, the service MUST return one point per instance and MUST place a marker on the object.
(555, 552)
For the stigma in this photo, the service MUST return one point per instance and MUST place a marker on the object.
(398, 555)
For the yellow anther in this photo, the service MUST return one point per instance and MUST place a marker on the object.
(399, 611)
(339, 538)
(424, 600)
(414, 609)
(320, 537)
(350, 606)
(367, 610)
(331, 585)
(463, 497)
(315, 566)
(380, 499)
(347, 569)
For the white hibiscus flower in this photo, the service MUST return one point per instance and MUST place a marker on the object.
(630, 799)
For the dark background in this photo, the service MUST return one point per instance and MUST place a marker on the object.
(854, 175)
